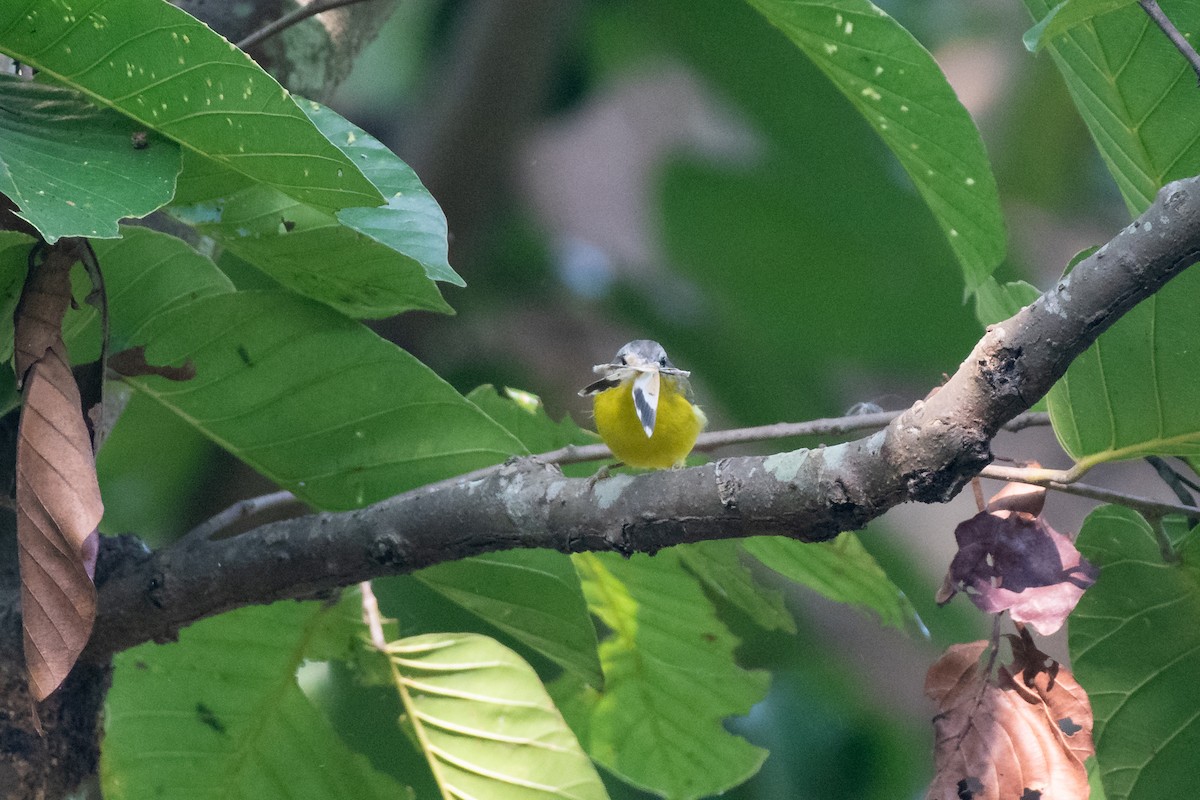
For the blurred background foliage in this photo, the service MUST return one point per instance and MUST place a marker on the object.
(677, 170)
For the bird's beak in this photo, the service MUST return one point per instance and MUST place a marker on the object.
(645, 398)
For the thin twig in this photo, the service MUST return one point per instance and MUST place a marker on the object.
(1037, 477)
(372, 617)
(239, 511)
(574, 454)
(830, 426)
(291, 18)
(1180, 41)
(977, 489)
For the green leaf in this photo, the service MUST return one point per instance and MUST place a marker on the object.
(899, 89)
(412, 223)
(995, 302)
(718, 565)
(304, 247)
(1136, 93)
(218, 714)
(14, 257)
(532, 595)
(365, 262)
(527, 420)
(14, 261)
(1065, 16)
(485, 722)
(311, 399)
(670, 681)
(841, 570)
(1135, 648)
(171, 73)
(1133, 392)
(71, 168)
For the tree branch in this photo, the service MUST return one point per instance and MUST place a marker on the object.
(291, 18)
(926, 454)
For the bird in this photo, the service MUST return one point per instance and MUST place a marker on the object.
(644, 408)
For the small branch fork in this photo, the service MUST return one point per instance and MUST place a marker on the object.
(926, 454)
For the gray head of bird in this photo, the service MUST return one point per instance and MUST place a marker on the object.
(643, 361)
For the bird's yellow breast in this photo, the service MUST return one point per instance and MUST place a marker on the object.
(678, 424)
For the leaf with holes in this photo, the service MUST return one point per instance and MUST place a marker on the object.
(485, 722)
(899, 89)
(58, 497)
(1023, 733)
(71, 168)
(218, 714)
(174, 75)
(1135, 644)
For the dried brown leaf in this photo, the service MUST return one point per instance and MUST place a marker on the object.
(1005, 738)
(44, 301)
(58, 497)
(132, 362)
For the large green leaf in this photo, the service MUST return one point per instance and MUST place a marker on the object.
(1133, 392)
(1065, 16)
(218, 715)
(365, 262)
(1136, 93)
(532, 595)
(1135, 647)
(842, 570)
(485, 722)
(669, 681)
(171, 73)
(311, 399)
(899, 89)
(72, 168)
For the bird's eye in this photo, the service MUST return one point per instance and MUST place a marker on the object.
(621, 360)
(662, 361)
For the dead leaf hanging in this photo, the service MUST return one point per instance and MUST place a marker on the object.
(1005, 737)
(58, 497)
(1010, 559)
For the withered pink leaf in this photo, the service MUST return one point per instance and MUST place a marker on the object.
(1004, 738)
(132, 362)
(58, 497)
(1013, 561)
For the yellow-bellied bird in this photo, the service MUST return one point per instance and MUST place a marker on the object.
(643, 407)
